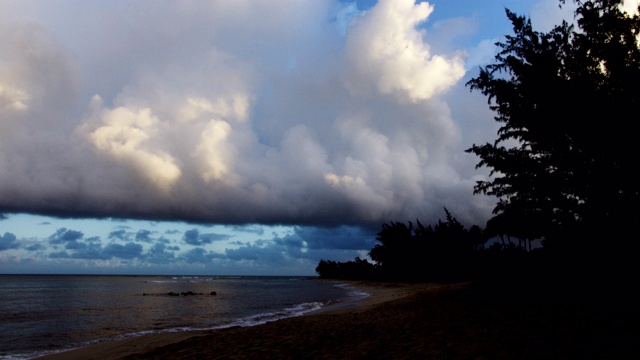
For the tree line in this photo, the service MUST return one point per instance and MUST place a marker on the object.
(444, 252)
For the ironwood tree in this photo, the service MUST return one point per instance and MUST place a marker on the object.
(406, 252)
(564, 164)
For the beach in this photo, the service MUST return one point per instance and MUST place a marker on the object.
(404, 321)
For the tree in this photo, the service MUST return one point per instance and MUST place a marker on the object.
(358, 269)
(564, 163)
(443, 252)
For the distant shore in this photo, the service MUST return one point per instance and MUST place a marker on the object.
(444, 321)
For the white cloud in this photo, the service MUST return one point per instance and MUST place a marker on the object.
(12, 99)
(211, 152)
(124, 134)
(232, 112)
(386, 51)
(236, 106)
(630, 6)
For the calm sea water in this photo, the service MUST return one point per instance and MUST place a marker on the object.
(40, 314)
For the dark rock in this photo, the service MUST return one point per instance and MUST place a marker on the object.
(190, 293)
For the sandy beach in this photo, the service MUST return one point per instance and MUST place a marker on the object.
(404, 321)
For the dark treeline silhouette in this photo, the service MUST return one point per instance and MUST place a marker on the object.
(444, 252)
(357, 269)
(563, 166)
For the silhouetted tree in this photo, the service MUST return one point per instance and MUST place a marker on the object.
(397, 251)
(443, 252)
(358, 269)
(565, 157)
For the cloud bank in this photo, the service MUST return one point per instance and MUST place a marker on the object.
(234, 112)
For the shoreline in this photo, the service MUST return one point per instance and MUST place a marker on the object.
(377, 293)
(408, 321)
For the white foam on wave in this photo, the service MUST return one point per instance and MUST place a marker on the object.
(353, 292)
(253, 320)
(293, 311)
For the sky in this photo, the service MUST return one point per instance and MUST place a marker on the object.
(237, 137)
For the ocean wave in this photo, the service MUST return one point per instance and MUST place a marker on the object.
(296, 310)
(352, 292)
(253, 320)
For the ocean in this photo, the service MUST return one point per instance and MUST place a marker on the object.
(43, 314)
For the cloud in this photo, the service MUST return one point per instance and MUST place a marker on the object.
(8, 241)
(314, 113)
(193, 237)
(126, 251)
(64, 236)
(630, 6)
(95, 251)
(266, 254)
(123, 135)
(545, 14)
(35, 247)
(251, 229)
(342, 237)
(118, 234)
(198, 255)
(144, 236)
(386, 51)
(160, 253)
(12, 99)
(85, 251)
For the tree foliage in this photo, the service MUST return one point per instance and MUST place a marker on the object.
(357, 269)
(564, 161)
(443, 252)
